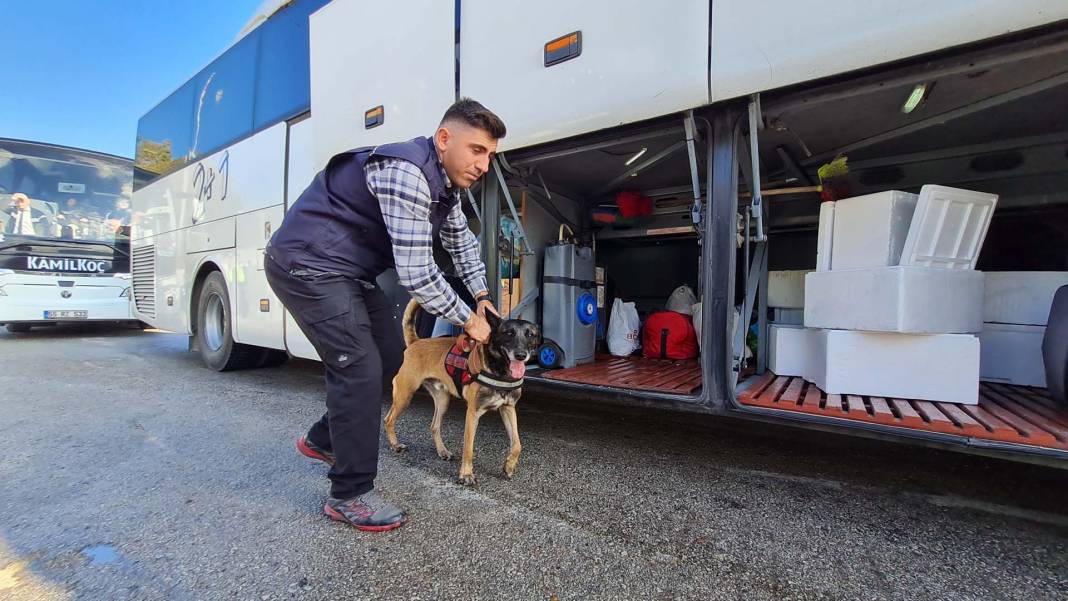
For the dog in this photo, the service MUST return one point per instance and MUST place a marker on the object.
(491, 380)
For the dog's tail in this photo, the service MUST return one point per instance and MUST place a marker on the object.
(408, 324)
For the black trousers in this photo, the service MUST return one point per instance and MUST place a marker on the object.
(351, 325)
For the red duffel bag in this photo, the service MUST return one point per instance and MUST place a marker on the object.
(669, 335)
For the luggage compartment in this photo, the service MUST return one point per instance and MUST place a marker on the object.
(567, 189)
(979, 122)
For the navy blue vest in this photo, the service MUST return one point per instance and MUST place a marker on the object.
(336, 223)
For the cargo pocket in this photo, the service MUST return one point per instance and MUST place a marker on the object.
(341, 329)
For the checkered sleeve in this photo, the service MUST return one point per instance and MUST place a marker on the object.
(462, 244)
(404, 196)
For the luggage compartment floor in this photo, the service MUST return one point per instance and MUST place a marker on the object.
(634, 373)
(1005, 413)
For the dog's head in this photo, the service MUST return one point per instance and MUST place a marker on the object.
(514, 340)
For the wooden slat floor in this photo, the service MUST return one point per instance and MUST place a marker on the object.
(1005, 413)
(634, 373)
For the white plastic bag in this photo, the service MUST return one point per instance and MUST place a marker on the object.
(697, 325)
(623, 329)
(682, 300)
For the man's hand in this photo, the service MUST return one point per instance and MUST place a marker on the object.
(477, 327)
(485, 304)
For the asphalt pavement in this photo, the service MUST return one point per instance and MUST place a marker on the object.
(129, 471)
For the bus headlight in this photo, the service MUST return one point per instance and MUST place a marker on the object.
(125, 292)
(122, 276)
(6, 271)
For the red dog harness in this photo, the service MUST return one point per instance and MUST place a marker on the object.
(457, 365)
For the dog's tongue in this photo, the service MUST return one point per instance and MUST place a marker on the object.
(517, 368)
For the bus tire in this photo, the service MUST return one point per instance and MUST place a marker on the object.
(214, 332)
(273, 358)
(18, 327)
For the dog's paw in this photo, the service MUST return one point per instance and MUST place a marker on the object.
(467, 480)
(400, 447)
(445, 454)
(509, 471)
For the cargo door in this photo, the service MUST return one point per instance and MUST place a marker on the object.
(556, 68)
(380, 72)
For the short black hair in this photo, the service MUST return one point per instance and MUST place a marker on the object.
(471, 112)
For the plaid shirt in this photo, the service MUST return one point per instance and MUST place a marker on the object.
(404, 195)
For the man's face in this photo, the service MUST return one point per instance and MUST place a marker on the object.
(71, 203)
(465, 152)
(22, 203)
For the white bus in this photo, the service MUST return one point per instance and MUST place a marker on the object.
(685, 105)
(64, 235)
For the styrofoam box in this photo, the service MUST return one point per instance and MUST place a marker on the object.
(912, 300)
(1012, 353)
(794, 317)
(942, 367)
(794, 350)
(870, 230)
(825, 236)
(786, 289)
(1021, 297)
(948, 228)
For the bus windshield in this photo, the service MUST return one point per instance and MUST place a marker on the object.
(51, 195)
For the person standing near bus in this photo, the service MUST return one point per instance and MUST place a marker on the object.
(368, 210)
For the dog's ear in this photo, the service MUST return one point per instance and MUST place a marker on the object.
(493, 320)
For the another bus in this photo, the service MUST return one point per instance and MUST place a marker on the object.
(64, 241)
(719, 114)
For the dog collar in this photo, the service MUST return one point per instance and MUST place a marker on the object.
(498, 384)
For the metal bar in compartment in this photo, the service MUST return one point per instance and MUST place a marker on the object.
(511, 207)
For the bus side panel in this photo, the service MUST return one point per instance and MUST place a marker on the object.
(765, 45)
(257, 311)
(398, 55)
(638, 60)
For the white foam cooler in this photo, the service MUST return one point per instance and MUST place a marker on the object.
(786, 289)
(1012, 354)
(870, 230)
(794, 350)
(1021, 297)
(942, 367)
(907, 300)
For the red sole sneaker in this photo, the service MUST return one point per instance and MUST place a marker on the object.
(304, 449)
(337, 517)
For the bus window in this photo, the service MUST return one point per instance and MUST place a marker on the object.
(223, 98)
(164, 135)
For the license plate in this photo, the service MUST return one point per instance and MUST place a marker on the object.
(66, 314)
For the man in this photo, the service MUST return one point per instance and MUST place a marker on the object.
(21, 219)
(371, 209)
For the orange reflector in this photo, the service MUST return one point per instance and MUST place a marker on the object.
(563, 48)
(374, 117)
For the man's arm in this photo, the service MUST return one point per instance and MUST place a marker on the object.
(404, 196)
(458, 240)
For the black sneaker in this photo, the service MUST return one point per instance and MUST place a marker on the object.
(310, 449)
(368, 512)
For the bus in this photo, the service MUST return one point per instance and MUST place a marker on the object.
(738, 127)
(65, 236)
